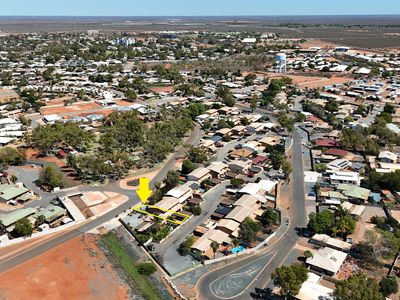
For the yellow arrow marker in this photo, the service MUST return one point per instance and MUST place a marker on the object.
(144, 192)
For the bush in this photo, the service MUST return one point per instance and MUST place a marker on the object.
(388, 285)
(188, 167)
(146, 268)
(308, 254)
(236, 182)
(184, 248)
(22, 228)
(143, 237)
(195, 209)
(161, 234)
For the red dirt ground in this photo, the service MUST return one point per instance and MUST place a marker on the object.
(314, 81)
(68, 109)
(75, 270)
(33, 154)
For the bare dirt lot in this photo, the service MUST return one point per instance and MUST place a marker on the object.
(77, 270)
(314, 81)
(69, 109)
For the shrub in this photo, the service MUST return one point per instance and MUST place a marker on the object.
(147, 268)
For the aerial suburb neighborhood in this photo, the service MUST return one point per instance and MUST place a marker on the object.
(199, 150)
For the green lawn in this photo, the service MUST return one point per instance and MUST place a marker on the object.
(129, 266)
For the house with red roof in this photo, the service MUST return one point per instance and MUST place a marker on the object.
(327, 143)
(337, 152)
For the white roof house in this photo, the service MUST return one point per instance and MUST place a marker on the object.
(339, 68)
(250, 189)
(218, 167)
(388, 156)
(327, 260)
(267, 185)
(345, 177)
(239, 213)
(311, 177)
(8, 121)
(181, 193)
(249, 40)
(326, 241)
(338, 164)
(312, 290)
(52, 118)
(200, 174)
(363, 71)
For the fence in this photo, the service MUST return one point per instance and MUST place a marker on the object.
(37, 234)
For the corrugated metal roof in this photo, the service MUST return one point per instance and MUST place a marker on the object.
(11, 218)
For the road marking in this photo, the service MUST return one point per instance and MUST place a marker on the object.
(251, 282)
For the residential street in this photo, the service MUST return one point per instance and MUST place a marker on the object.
(24, 255)
(261, 265)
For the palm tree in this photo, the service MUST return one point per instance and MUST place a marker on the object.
(235, 241)
(214, 247)
(341, 212)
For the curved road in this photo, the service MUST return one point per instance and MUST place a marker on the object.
(239, 279)
(24, 255)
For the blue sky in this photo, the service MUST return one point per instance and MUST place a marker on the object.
(196, 7)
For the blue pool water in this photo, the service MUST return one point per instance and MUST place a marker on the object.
(237, 249)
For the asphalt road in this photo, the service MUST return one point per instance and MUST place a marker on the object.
(212, 286)
(24, 255)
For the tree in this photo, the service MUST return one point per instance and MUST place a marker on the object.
(195, 109)
(236, 182)
(248, 230)
(357, 287)
(214, 246)
(229, 100)
(235, 241)
(344, 225)
(184, 248)
(286, 121)
(10, 156)
(40, 220)
(146, 268)
(388, 285)
(50, 178)
(308, 254)
(195, 209)
(171, 180)
(269, 217)
(197, 155)
(13, 179)
(290, 279)
(22, 227)
(187, 167)
(249, 79)
(286, 168)
(321, 222)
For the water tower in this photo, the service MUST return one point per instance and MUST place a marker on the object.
(280, 63)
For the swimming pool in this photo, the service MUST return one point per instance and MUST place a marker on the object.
(237, 249)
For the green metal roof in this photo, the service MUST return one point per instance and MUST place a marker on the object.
(8, 192)
(11, 218)
(51, 213)
(354, 191)
(338, 195)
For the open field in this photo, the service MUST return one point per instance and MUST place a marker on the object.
(357, 31)
(78, 264)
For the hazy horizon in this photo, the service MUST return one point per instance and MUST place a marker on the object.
(171, 8)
